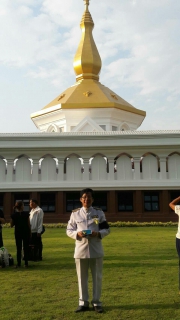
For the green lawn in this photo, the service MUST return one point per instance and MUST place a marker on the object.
(140, 279)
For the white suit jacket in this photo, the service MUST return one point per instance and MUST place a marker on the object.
(36, 219)
(81, 220)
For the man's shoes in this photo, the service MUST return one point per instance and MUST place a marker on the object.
(98, 309)
(82, 309)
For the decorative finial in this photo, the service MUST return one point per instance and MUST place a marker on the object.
(86, 2)
(87, 61)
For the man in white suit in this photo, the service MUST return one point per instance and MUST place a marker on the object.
(88, 226)
(36, 221)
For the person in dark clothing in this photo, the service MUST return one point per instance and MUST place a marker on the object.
(20, 219)
(2, 220)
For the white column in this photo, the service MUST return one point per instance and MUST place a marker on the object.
(60, 176)
(163, 174)
(35, 170)
(86, 169)
(137, 168)
(111, 169)
(10, 168)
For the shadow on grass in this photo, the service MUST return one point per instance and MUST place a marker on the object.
(68, 263)
(158, 306)
(114, 261)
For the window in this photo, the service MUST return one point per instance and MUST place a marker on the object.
(103, 127)
(48, 201)
(61, 129)
(173, 195)
(100, 200)
(1, 200)
(72, 201)
(151, 201)
(125, 201)
(114, 128)
(23, 197)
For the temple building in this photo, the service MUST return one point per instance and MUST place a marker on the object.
(88, 138)
(79, 108)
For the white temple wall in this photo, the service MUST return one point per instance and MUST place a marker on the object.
(124, 168)
(105, 162)
(48, 169)
(22, 170)
(2, 171)
(174, 167)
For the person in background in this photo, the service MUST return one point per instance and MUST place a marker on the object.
(36, 221)
(2, 221)
(176, 208)
(20, 219)
(88, 226)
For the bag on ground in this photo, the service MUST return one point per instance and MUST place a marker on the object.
(4, 257)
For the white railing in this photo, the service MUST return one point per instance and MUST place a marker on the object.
(95, 168)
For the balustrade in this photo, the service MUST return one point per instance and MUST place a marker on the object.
(93, 168)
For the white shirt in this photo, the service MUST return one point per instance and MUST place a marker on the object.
(36, 219)
(83, 219)
(177, 211)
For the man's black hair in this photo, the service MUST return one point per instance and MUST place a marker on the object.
(34, 200)
(87, 190)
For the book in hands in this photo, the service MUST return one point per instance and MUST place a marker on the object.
(87, 232)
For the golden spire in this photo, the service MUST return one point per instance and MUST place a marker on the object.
(87, 61)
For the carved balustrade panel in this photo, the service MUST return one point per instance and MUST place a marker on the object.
(124, 168)
(98, 168)
(23, 169)
(48, 169)
(73, 169)
(174, 166)
(2, 170)
(150, 167)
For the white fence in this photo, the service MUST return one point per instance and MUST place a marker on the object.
(98, 167)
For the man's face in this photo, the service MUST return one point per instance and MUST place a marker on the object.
(86, 200)
(32, 204)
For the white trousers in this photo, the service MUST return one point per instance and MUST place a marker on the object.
(82, 266)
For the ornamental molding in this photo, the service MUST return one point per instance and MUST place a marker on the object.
(114, 96)
(87, 93)
(103, 133)
(61, 96)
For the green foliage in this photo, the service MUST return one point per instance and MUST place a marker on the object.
(117, 224)
(140, 278)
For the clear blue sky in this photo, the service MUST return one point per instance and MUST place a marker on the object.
(138, 41)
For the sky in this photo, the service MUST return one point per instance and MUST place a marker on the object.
(138, 41)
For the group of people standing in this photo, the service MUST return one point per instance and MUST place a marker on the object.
(87, 226)
(27, 230)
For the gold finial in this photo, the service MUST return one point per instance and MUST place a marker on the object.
(87, 61)
(86, 2)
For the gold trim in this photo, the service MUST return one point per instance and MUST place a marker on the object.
(93, 106)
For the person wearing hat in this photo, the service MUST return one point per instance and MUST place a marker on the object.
(88, 226)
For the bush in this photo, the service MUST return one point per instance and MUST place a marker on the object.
(117, 224)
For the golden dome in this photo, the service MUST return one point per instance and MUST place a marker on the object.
(88, 92)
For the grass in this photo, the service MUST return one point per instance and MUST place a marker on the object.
(140, 278)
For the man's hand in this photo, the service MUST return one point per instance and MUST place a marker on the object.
(38, 235)
(80, 234)
(94, 234)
